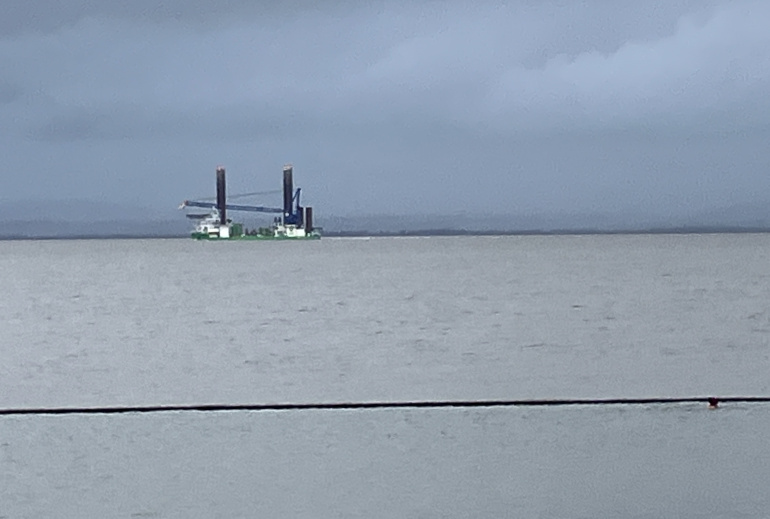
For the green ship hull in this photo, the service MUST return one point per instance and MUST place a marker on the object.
(210, 229)
(259, 237)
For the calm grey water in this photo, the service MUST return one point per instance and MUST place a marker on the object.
(132, 322)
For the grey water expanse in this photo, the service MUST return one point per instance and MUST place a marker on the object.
(143, 322)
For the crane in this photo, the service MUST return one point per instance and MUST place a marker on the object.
(294, 216)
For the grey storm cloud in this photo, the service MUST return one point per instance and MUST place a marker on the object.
(54, 15)
(432, 106)
(9, 93)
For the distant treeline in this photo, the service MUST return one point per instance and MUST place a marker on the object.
(553, 232)
(426, 232)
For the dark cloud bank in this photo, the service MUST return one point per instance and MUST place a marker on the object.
(521, 113)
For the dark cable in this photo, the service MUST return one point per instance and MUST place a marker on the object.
(712, 401)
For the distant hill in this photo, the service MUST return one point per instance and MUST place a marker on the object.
(77, 211)
(83, 218)
(66, 218)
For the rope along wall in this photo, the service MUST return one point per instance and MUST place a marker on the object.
(711, 401)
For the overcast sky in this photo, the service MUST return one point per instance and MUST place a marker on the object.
(655, 106)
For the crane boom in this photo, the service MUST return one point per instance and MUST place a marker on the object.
(232, 207)
(240, 195)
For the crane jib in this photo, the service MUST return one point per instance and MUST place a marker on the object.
(234, 207)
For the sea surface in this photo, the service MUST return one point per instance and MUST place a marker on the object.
(153, 322)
